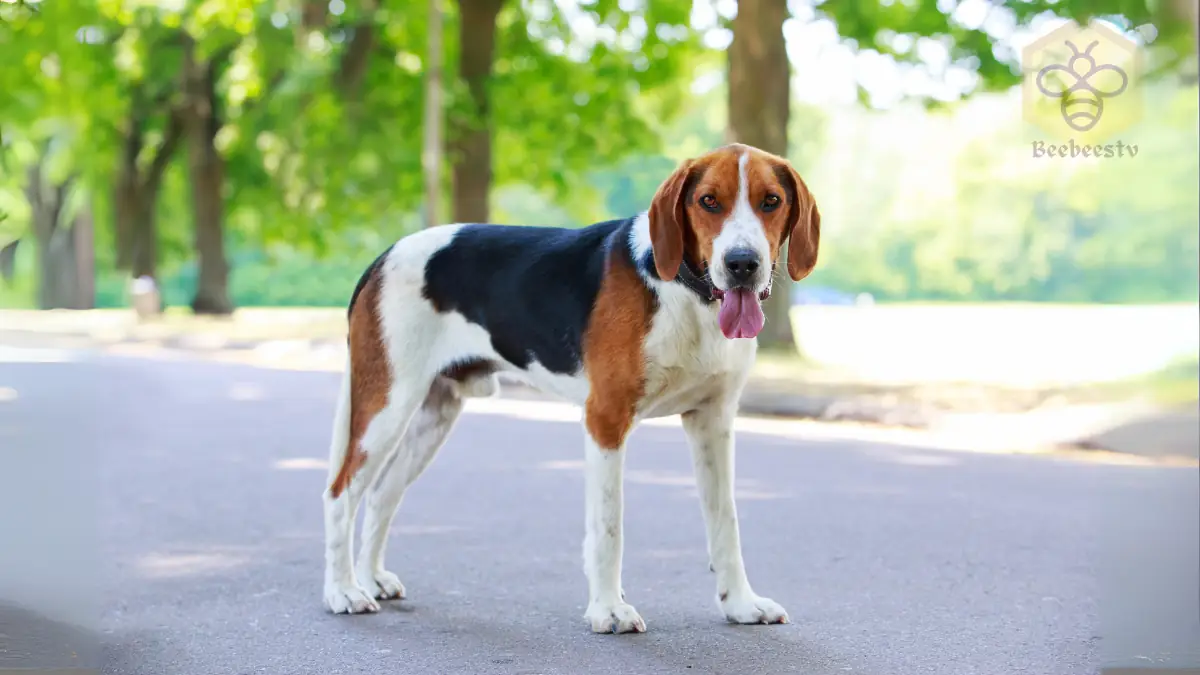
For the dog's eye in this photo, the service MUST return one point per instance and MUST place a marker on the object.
(770, 203)
(709, 203)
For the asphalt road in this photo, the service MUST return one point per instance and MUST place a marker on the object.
(183, 500)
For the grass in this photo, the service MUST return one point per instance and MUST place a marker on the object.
(1176, 384)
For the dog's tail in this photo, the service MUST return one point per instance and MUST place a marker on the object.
(339, 444)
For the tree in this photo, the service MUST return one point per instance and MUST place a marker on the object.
(431, 152)
(206, 175)
(55, 96)
(471, 148)
(209, 52)
(541, 103)
(62, 232)
(758, 65)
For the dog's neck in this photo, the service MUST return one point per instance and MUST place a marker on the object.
(701, 285)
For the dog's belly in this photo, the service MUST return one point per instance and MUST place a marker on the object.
(671, 391)
(572, 388)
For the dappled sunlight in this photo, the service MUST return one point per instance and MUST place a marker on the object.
(35, 355)
(873, 491)
(911, 459)
(661, 478)
(1020, 344)
(669, 553)
(301, 464)
(178, 565)
(810, 434)
(757, 495)
(247, 391)
(563, 465)
(416, 530)
(8, 394)
(748, 489)
(539, 411)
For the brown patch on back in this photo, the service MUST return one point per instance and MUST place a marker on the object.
(614, 351)
(370, 377)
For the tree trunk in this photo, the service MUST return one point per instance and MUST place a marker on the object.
(137, 227)
(58, 283)
(472, 144)
(58, 260)
(759, 104)
(8, 261)
(431, 152)
(206, 173)
(1189, 11)
(84, 238)
(135, 196)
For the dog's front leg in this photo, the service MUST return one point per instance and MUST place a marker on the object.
(603, 542)
(710, 434)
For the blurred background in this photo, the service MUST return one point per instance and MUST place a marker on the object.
(198, 184)
(240, 157)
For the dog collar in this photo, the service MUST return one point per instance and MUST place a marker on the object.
(703, 287)
(699, 285)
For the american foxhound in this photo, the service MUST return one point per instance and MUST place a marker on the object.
(630, 319)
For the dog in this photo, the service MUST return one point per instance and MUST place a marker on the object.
(631, 319)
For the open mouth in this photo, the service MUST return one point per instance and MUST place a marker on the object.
(740, 314)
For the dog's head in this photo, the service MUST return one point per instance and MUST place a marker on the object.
(729, 213)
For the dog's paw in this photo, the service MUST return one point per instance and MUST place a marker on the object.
(751, 609)
(615, 617)
(383, 585)
(349, 599)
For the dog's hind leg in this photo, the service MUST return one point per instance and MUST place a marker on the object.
(380, 395)
(359, 469)
(425, 436)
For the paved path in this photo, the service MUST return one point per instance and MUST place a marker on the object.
(206, 482)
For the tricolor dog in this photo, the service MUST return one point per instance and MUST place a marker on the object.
(630, 319)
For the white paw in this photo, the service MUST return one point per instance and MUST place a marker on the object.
(615, 617)
(750, 608)
(349, 599)
(383, 585)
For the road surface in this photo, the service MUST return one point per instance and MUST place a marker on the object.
(199, 487)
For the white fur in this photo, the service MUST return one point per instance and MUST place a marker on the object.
(743, 229)
(690, 366)
(709, 429)
(603, 542)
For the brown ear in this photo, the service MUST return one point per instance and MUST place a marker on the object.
(804, 226)
(667, 220)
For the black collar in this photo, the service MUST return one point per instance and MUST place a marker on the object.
(701, 286)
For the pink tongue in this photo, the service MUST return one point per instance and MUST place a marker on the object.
(740, 315)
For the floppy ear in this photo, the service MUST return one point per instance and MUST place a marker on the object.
(803, 226)
(667, 220)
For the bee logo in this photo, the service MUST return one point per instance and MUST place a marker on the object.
(1083, 99)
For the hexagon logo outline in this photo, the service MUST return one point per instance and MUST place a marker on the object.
(1081, 83)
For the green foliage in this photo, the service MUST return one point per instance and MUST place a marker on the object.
(949, 211)
(970, 30)
(591, 108)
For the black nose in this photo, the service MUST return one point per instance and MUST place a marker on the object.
(741, 263)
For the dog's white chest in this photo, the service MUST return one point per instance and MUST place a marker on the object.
(688, 360)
